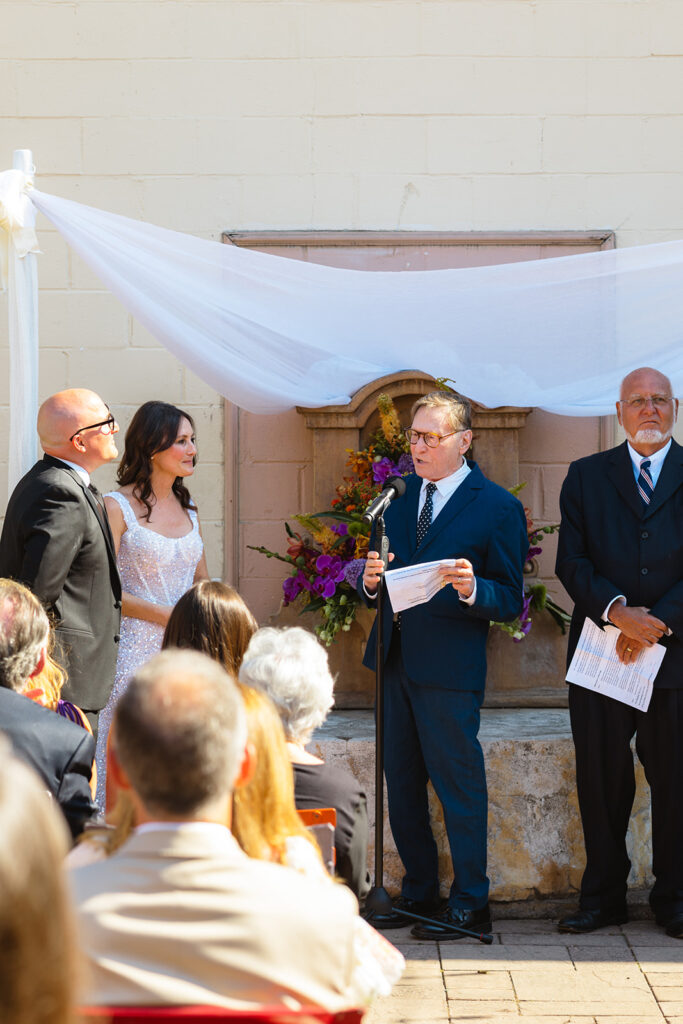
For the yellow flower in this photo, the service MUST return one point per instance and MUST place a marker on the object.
(320, 533)
(391, 425)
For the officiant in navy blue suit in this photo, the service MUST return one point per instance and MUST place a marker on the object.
(435, 669)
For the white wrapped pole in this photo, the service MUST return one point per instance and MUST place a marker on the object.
(22, 284)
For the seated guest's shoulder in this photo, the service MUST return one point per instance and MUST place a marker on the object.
(315, 781)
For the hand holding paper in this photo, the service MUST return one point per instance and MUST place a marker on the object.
(416, 584)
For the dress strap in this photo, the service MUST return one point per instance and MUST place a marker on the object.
(125, 506)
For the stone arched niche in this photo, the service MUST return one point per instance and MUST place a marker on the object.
(526, 674)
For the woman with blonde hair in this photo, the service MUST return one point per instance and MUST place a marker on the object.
(38, 962)
(212, 617)
(267, 826)
(265, 820)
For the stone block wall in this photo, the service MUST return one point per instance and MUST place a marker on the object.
(535, 841)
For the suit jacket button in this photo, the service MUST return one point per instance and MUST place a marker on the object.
(117, 636)
(645, 535)
(643, 572)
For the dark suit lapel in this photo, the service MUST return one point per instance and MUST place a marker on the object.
(468, 490)
(620, 472)
(670, 479)
(92, 501)
(413, 500)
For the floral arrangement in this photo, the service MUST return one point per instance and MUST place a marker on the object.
(327, 559)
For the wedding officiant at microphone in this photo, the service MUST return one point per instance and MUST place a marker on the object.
(620, 558)
(435, 660)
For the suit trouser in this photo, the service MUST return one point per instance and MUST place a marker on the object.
(602, 729)
(431, 734)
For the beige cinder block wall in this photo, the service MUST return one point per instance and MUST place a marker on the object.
(451, 115)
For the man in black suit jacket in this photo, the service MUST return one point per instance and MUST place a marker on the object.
(435, 663)
(56, 540)
(620, 557)
(60, 752)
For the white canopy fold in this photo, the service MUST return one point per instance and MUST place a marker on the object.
(269, 332)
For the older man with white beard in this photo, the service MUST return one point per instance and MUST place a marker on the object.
(620, 557)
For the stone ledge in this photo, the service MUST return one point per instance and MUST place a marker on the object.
(535, 839)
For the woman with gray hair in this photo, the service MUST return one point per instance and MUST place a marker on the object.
(291, 667)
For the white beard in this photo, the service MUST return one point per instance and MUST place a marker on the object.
(650, 436)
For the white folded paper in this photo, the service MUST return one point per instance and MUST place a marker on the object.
(415, 584)
(596, 666)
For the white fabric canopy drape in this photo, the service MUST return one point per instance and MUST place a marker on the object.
(18, 246)
(269, 332)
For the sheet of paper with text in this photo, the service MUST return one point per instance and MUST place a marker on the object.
(415, 584)
(596, 666)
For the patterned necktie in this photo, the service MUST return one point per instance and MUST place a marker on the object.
(425, 520)
(644, 483)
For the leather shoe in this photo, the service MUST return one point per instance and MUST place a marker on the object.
(583, 921)
(673, 925)
(425, 908)
(445, 925)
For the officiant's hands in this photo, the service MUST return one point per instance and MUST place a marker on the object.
(460, 576)
(374, 567)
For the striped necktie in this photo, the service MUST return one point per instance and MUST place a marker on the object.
(644, 483)
(425, 520)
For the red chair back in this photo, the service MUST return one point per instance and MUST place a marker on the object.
(212, 1014)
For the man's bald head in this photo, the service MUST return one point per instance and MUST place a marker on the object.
(647, 409)
(180, 733)
(645, 380)
(65, 414)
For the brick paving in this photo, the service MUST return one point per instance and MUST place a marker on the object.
(631, 974)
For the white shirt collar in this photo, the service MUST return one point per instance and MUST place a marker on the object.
(656, 460)
(79, 469)
(186, 826)
(448, 484)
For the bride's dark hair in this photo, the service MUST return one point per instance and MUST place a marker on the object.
(153, 429)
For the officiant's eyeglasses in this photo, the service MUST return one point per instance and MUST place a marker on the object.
(109, 423)
(431, 440)
(640, 401)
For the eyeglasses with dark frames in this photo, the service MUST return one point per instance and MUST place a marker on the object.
(430, 439)
(110, 422)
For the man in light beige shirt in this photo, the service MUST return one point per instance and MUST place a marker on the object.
(179, 914)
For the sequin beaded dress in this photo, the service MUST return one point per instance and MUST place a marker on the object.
(159, 569)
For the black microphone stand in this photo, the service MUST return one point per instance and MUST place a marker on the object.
(378, 909)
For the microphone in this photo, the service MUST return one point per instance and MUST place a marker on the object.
(394, 487)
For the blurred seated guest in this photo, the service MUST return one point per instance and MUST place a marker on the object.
(212, 617)
(37, 966)
(46, 689)
(61, 752)
(179, 914)
(291, 667)
(265, 821)
(267, 826)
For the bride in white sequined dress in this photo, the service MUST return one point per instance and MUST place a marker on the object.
(160, 552)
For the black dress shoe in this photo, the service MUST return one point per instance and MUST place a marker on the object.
(425, 908)
(583, 921)
(447, 924)
(673, 925)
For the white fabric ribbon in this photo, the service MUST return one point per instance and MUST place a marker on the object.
(17, 218)
(270, 333)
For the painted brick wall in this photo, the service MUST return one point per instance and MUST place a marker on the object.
(202, 116)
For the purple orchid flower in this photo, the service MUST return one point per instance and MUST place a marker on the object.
(353, 570)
